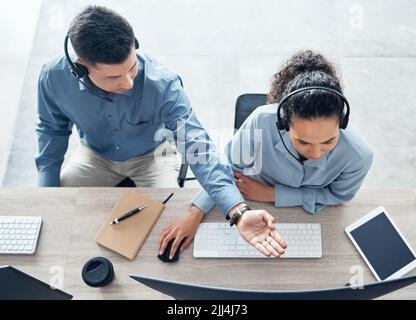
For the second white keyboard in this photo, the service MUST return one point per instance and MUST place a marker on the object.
(19, 235)
(219, 240)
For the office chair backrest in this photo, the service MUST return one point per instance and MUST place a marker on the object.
(126, 183)
(245, 105)
(185, 291)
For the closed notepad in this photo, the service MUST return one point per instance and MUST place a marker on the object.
(127, 237)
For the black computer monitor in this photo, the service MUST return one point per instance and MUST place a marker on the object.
(187, 291)
(17, 285)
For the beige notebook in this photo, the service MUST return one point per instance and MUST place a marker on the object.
(127, 237)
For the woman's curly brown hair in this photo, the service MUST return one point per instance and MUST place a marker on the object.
(307, 68)
(301, 62)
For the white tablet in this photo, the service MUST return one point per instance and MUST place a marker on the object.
(382, 245)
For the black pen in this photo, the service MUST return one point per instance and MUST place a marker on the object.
(127, 215)
(167, 199)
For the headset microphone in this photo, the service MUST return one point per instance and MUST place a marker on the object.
(284, 144)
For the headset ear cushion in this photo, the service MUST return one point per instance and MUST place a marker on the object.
(344, 122)
(136, 43)
(281, 122)
(285, 125)
(81, 70)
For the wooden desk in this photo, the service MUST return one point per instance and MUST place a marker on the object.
(72, 217)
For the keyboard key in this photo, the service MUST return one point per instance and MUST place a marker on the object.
(287, 226)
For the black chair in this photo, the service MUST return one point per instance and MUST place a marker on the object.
(126, 183)
(244, 106)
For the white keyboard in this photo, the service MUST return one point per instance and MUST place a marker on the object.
(219, 240)
(19, 235)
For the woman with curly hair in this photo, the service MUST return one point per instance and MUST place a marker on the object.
(310, 161)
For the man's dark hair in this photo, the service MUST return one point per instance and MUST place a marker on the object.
(307, 68)
(101, 35)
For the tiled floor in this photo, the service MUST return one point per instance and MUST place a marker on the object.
(224, 48)
(18, 21)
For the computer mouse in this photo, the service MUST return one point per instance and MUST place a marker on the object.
(165, 255)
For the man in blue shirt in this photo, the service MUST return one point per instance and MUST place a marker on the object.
(125, 105)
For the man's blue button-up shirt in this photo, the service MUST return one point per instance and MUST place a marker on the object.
(134, 124)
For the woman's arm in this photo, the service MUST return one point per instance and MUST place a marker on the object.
(312, 199)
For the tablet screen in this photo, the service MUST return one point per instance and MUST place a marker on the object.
(382, 245)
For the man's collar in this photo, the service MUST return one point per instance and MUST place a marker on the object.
(82, 87)
(131, 92)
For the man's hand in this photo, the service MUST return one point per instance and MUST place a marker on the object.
(252, 189)
(257, 228)
(185, 227)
